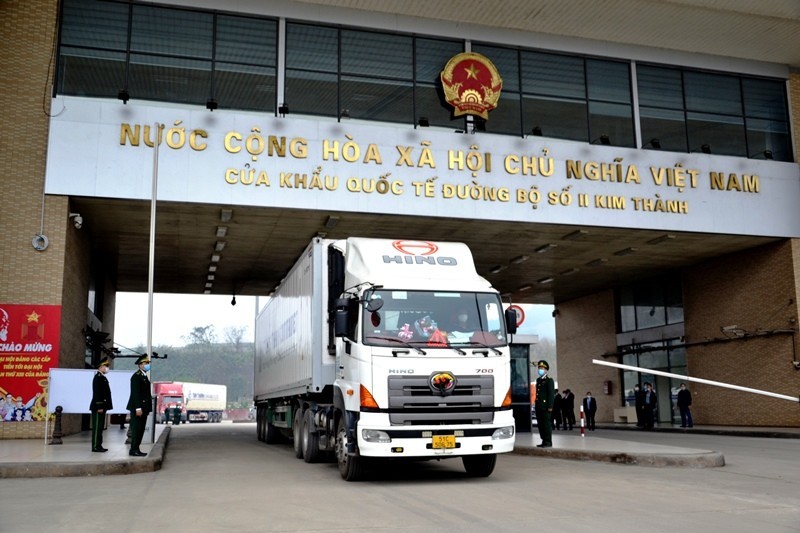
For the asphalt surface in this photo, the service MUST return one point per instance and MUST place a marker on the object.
(30, 458)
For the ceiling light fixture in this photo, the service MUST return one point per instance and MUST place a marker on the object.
(663, 238)
(212, 268)
(546, 280)
(544, 248)
(225, 215)
(525, 288)
(519, 259)
(222, 231)
(219, 246)
(626, 251)
(206, 291)
(497, 269)
(215, 258)
(577, 234)
(209, 285)
(596, 262)
(332, 222)
(211, 277)
(569, 271)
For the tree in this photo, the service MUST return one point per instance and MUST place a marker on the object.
(234, 336)
(201, 335)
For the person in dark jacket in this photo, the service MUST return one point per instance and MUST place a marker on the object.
(684, 403)
(557, 420)
(568, 409)
(589, 410)
(140, 403)
(100, 405)
(649, 406)
(638, 401)
(545, 393)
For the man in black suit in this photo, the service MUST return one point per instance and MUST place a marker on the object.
(140, 403)
(101, 404)
(649, 406)
(568, 409)
(589, 409)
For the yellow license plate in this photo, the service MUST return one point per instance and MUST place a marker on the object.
(443, 441)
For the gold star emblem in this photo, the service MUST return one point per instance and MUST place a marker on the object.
(472, 72)
(33, 317)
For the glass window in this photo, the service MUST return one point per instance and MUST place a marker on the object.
(553, 75)
(555, 117)
(431, 56)
(614, 120)
(169, 78)
(92, 24)
(376, 54)
(724, 134)
(312, 93)
(312, 48)
(627, 310)
(712, 93)
(381, 100)
(506, 61)
(666, 125)
(608, 81)
(659, 87)
(172, 32)
(245, 40)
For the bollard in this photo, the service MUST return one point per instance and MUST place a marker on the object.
(57, 427)
(583, 423)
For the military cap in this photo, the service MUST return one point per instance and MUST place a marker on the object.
(543, 364)
(105, 361)
(144, 358)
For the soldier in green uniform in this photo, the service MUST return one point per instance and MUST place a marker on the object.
(545, 395)
(101, 404)
(140, 403)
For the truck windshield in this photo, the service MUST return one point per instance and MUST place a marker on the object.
(433, 319)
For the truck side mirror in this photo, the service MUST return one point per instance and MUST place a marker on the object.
(374, 305)
(511, 321)
(341, 317)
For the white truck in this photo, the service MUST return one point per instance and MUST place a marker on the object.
(379, 349)
(204, 402)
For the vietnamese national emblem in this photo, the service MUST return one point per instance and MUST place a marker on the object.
(471, 84)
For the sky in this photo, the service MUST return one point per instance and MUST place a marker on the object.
(176, 315)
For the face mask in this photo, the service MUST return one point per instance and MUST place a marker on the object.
(147, 367)
(104, 369)
(541, 371)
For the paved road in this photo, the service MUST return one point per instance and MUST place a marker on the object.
(220, 478)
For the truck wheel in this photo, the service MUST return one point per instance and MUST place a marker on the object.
(297, 432)
(479, 465)
(310, 438)
(351, 467)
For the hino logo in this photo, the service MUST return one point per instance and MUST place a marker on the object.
(401, 370)
(418, 253)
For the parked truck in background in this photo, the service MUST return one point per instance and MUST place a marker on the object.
(360, 355)
(169, 402)
(199, 402)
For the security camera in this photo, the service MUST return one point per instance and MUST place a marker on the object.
(77, 220)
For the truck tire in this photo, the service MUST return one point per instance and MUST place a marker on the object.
(310, 439)
(351, 467)
(297, 432)
(479, 465)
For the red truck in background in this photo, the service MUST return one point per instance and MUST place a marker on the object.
(170, 405)
(181, 402)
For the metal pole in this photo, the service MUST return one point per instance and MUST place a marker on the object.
(697, 380)
(151, 267)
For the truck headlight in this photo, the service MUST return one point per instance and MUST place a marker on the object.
(373, 435)
(503, 433)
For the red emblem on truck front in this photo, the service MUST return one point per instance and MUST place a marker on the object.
(471, 84)
(442, 383)
(415, 247)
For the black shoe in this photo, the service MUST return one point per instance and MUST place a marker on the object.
(137, 453)
(100, 449)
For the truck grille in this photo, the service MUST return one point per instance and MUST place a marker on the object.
(411, 401)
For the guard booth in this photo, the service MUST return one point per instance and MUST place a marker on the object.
(521, 380)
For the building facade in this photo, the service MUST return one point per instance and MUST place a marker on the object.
(301, 109)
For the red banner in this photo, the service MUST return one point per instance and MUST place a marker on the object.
(29, 340)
